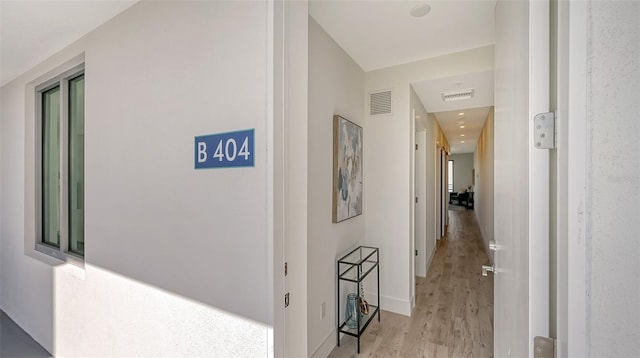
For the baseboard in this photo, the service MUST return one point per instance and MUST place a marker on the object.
(395, 305)
(390, 304)
(485, 239)
(430, 258)
(326, 346)
(413, 303)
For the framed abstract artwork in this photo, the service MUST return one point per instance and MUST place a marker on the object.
(347, 169)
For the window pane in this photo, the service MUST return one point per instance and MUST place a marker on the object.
(76, 165)
(51, 166)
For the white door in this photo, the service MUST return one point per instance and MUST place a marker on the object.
(420, 221)
(444, 200)
(521, 291)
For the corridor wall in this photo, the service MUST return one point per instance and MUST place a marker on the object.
(484, 190)
(336, 87)
(177, 260)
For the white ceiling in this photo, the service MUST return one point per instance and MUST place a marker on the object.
(430, 91)
(376, 34)
(379, 34)
(473, 121)
(475, 109)
(31, 31)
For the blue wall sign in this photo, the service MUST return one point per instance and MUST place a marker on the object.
(223, 150)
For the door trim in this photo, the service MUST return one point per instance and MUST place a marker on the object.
(539, 173)
(577, 148)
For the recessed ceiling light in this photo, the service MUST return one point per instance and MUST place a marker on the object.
(461, 126)
(461, 114)
(461, 141)
(420, 10)
(461, 135)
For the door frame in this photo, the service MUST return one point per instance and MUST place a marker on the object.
(571, 298)
(444, 203)
(287, 123)
(539, 172)
(420, 215)
(412, 211)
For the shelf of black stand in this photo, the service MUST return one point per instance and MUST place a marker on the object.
(364, 322)
(354, 267)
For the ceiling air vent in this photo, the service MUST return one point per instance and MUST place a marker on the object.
(457, 95)
(380, 103)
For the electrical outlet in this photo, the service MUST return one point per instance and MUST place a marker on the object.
(323, 310)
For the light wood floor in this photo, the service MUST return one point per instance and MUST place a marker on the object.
(454, 305)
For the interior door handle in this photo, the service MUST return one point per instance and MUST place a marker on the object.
(493, 246)
(486, 268)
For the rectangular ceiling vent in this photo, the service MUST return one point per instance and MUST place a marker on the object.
(380, 103)
(458, 95)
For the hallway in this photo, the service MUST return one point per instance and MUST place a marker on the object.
(453, 316)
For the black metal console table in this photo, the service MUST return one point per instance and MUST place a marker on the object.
(354, 267)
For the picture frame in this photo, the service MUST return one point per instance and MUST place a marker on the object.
(347, 169)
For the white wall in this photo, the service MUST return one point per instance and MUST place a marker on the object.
(26, 293)
(388, 168)
(613, 179)
(462, 170)
(483, 190)
(336, 86)
(177, 260)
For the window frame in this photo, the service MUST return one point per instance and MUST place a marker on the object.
(450, 165)
(60, 80)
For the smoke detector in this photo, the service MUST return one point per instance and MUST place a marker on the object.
(420, 10)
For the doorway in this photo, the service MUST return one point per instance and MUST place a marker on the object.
(420, 188)
(444, 203)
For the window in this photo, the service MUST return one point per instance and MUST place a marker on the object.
(450, 177)
(60, 156)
